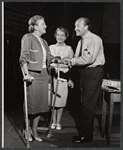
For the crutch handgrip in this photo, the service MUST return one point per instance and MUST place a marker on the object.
(28, 79)
(61, 79)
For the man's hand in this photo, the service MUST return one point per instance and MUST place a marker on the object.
(28, 78)
(66, 61)
(70, 83)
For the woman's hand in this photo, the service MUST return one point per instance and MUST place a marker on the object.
(57, 59)
(70, 83)
(28, 78)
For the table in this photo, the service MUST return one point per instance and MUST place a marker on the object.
(109, 96)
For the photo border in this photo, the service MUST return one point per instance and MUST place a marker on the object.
(2, 62)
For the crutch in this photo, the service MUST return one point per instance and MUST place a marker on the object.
(56, 89)
(26, 111)
(51, 90)
(51, 96)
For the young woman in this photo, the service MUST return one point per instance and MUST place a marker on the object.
(60, 49)
(34, 59)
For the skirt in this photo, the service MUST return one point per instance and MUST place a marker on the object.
(37, 92)
(62, 94)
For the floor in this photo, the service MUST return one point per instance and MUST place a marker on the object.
(71, 122)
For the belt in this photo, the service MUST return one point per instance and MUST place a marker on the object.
(94, 67)
(86, 67)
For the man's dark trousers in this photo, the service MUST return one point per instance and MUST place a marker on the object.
(90, 85)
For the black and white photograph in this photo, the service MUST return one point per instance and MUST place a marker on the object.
(61, 74)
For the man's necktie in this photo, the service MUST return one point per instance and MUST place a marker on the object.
(80, 52)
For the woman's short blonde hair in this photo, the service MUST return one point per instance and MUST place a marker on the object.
(63, 30)
(33, 21)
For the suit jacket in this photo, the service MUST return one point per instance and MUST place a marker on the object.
(32, 53)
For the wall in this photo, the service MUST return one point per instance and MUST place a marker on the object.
(111, 38)
(111, 23)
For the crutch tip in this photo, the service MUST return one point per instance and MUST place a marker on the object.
(49, 136)
(28, 146)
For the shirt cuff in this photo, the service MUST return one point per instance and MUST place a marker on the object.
(73, 61)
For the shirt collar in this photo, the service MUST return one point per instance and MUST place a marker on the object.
(86, 35)
(61, 46)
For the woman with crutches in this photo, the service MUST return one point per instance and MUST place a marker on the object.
(35, 59)
(60, 49)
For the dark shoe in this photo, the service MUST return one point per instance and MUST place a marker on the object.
(76, 137)
(82, 140)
